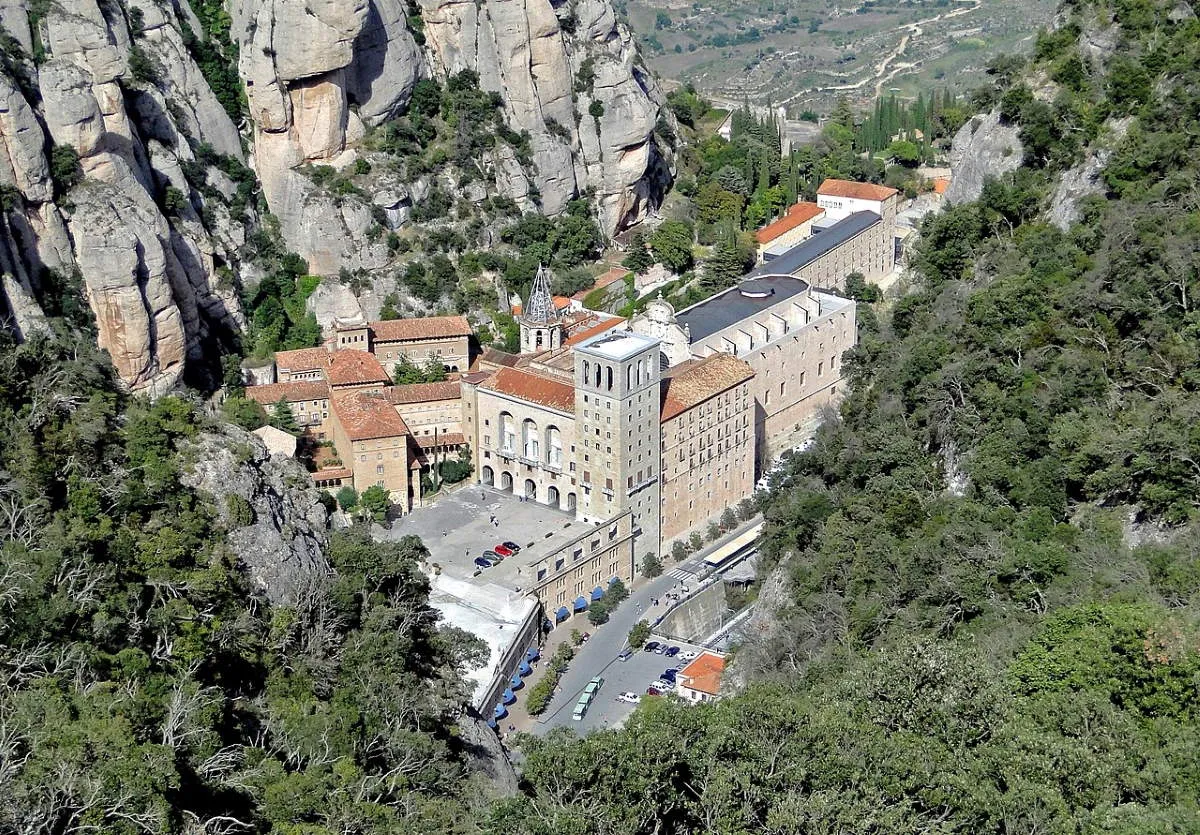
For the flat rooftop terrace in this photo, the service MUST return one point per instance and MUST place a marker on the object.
(458, 529)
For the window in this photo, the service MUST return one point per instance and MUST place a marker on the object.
(820, 368)
(379, 469)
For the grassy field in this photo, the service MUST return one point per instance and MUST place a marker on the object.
(806, 53)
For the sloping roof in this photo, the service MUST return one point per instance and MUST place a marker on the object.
(474, 378)
(589, 326)
(442, 439)
(560, 303)
(797, 215)
(291, 392)
(424, 392)
(277, 441)
(535, 388)
(704, 674)
(695, 381)
(855, 191)
(940, 184)
(494, 356)
(332, 472)
(366, 415)
(350, 368)
(430, 327)
(819, 244)
(302, 359)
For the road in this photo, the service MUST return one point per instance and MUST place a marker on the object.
(598, 656)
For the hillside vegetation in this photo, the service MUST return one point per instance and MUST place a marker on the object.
(989, 621)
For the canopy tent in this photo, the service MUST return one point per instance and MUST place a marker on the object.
(500, 712)
(515, 682)
(532, 654)
(614, 580)
(493, 724)
(580, 603)
(524, 669)
(562, 613)
(597, 593)
(509, 696)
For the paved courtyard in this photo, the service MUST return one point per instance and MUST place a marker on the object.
(459, 528)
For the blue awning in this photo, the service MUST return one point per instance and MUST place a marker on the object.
(563, 612)
(492, 724)
(524, 669)
(509, 697)
(532, 654)
(580, 603)
(597, 593)
(501, 712)
(515, 682)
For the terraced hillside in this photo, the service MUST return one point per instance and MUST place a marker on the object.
(806, 53)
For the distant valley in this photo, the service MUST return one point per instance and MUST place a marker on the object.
(804, 54)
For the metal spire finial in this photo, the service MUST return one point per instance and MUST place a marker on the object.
(540, 307)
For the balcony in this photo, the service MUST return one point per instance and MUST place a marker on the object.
(554, 467)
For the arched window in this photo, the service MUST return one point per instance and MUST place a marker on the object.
(508, 433)
(537, 335)
(587, 372)
(663, 362)
(629, 377)
(610, 378)
(529, 439)
(553, 446)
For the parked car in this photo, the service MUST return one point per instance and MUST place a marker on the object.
(653, 691)
(503, 551)
(689, 655)
(671, 652)
(483, 562)
(512, 546)
(492, 555)
(662, 686)
(629, 698)
(625, 655)
(651, 646)
(669, 675)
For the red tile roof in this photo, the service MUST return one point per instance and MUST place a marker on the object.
(291, 392)
(323, 475)
(367, 415)
(856, 191)
(494, 356)
(797, 215)
(430, 327)
(940, 184)
(442, 439)
(589, 327)
(704, 674)
(695, 381)
(302, 359)
(535, 388)
(355, 368)
(424, 392)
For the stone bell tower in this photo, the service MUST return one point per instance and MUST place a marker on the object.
(541, 325)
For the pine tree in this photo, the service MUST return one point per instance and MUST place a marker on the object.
(764, 175)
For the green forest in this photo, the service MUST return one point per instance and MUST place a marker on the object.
(982, 579)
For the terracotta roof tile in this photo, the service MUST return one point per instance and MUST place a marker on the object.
(797, 215)
(695, 381)
(302, 359)
(429, 327)
(351, 368)
(367, 415)
(424, 392)
(323, 475)
(476, 377)
(704, 674)
(535, 388)
(856, 191)
(940, 184)
(495, 356)
(589, 327)
(291, 392)
(442, 439)
(602, 281)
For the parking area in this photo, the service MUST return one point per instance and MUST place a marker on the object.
(634, 676)
(463, 524)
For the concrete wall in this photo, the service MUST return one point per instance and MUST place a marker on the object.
(697, 617)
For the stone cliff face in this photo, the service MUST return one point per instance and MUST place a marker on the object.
(144, 223)
(148, 273)
(318, 79)
(984, 147)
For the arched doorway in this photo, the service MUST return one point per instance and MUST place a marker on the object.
(487, 476)
(505, 481)
(570, 501)
(552, 496)
(530, 489)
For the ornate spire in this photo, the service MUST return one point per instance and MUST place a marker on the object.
(540, 307)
